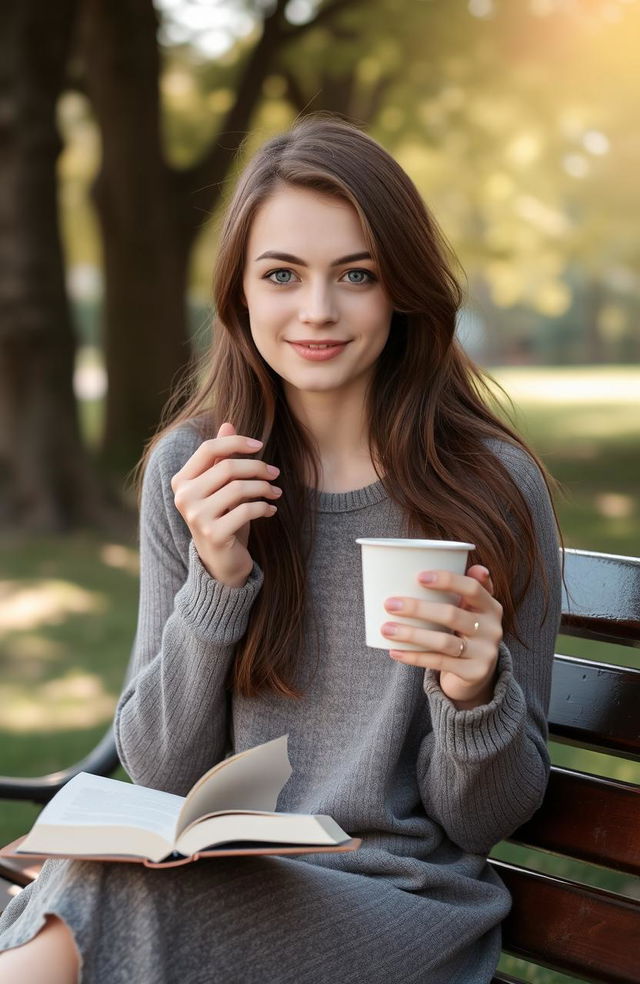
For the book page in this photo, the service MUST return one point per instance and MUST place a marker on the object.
(89, 800)
(283, 828)
(250, 780)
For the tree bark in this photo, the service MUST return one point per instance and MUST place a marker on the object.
(47, 482)
(594, 300)
(145, 337)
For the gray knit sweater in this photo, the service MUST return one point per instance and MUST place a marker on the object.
(374, 743)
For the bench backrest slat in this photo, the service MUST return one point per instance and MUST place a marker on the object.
(601, 597)
(587, 818)
(595, 705)
(583, 931)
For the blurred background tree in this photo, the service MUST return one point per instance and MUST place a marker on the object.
(45, 475)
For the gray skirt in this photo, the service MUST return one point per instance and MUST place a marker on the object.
(260, 920)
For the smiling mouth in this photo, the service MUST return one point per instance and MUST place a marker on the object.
(318, 345)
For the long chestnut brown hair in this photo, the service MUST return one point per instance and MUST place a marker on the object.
(429, 406)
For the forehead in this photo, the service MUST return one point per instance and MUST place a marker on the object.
(305, 223)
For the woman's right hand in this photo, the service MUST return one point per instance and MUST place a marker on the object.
(216, 496)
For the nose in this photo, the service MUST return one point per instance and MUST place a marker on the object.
(318, 305)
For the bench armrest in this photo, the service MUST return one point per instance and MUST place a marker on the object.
(101, 761)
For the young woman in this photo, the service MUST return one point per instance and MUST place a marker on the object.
(333, 345)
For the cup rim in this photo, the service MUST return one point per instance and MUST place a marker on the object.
(410, 543)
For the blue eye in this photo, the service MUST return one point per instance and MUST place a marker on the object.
(365, 275)
(279, 275)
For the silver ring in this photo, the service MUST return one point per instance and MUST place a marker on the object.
(476, 626)
(463, 646)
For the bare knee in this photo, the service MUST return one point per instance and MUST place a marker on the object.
(50, 957)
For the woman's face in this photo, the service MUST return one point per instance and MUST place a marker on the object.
(308, 277)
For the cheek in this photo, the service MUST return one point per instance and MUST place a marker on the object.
(266, 312)
(374, 310)
(378, 317)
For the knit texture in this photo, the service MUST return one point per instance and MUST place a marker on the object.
(374, 743)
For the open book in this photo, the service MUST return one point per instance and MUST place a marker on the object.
(228, 811)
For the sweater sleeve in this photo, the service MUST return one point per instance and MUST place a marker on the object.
(171, 722)
(483, 772)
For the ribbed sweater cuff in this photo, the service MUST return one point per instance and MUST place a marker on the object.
(213, 611)
(482, 732)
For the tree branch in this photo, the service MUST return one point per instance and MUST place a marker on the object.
(325, 15)
(198, 185)
(294, 92)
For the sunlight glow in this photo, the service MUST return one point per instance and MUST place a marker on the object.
(596, 142)
(123, 558)
(542, 8)
(543, 216)
(481, 8)
(576, 165)
(581, 386)
(524, 149)
(77, 700)
(300, 11)
(613, 505)
(25, 605)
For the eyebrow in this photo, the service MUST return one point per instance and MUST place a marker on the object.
(272, 254)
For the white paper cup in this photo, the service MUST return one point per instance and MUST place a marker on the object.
(390, 568)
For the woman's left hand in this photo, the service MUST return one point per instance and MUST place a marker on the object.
(467, 657)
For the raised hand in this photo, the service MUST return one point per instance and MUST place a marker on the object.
(218, 491)
(467, 656)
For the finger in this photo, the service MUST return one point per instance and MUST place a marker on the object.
(236, 492)
(212, 451)
(481, 574)
(429, 640)
(470, 590)
(227, 526)
(224, 472)
(467, 671)
(226, 429)
(449, 616)
(198, 512)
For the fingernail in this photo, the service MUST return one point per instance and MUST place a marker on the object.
(393, 604)
(485, 571)
(253, 444)
(272, 470)
(427, 577)
(389, 629)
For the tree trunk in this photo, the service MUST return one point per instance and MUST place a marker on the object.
(145, 257)
(46, 480)
(594, 300)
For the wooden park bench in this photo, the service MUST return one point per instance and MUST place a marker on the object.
(572, 928)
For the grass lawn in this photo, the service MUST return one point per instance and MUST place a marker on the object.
(68, 605)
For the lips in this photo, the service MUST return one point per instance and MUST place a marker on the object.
(331, 342)
(318, 354)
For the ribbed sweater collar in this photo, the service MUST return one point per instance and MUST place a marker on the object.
(350, 501)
